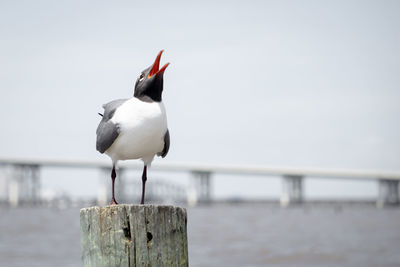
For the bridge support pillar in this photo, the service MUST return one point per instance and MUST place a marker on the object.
(202, 185)
(292, 190)
(24, 186)
(388, 193)
(120, 186)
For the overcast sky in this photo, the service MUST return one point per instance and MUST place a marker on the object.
(288, 83)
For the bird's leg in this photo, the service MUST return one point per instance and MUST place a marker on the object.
(113, 176)
(144, 179)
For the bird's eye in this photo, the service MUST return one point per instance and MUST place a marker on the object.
(141, 76)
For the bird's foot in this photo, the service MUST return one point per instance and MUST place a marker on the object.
(113, 202)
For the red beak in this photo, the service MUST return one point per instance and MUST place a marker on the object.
(156, 65)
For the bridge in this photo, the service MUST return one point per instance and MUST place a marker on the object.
(24, 178)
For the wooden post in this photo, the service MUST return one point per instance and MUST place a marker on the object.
(134, 235)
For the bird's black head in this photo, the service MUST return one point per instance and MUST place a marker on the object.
(149, 84)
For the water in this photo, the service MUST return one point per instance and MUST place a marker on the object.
(226, 235)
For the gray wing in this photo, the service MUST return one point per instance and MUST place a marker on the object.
(107, 131)
(165, 150)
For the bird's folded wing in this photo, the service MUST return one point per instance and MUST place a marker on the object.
(107, 132)
(164, 152)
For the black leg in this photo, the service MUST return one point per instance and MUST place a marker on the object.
(113, 176)
(144, 179)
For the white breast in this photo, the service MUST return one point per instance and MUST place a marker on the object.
(142, 128)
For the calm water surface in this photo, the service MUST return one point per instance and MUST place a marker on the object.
(226, 235)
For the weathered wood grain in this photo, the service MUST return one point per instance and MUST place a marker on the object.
(134, 235)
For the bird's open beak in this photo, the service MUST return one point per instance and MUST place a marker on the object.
(156, 65)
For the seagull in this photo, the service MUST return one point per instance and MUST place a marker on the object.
(136, 128)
